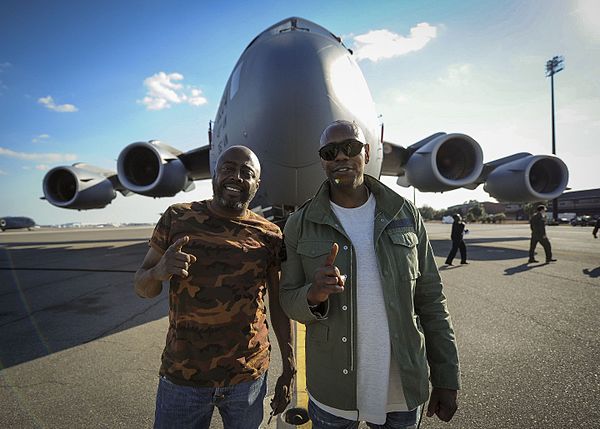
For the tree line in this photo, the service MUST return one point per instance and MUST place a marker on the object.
(475, 212)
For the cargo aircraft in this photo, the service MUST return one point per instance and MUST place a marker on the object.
(291, 81)
(16, 222)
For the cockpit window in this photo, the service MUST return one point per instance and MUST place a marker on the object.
(294, 24)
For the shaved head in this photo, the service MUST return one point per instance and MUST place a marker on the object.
(340, 131)
(240, 150)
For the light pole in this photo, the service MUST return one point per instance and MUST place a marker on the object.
(553, 66)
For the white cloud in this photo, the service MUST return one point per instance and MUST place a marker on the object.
(40, 138)
(457, 75)
(164, 90)
(42, 167)
(50, 105)
(43, 157)
(3, 173)
(382, 44)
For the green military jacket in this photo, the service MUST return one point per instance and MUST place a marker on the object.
(419, 323)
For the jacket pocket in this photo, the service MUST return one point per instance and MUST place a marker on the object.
(406, 253)
(312, 254)
(317, 332)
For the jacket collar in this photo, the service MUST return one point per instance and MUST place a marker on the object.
(389, 203)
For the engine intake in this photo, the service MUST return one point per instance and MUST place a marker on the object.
(153, 169)
(443, 162)
(531, 178)
(78, 187)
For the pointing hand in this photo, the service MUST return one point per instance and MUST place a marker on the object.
(327, 279)
(174, 261)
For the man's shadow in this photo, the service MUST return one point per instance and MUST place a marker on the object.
(594, 273)
(523, 268)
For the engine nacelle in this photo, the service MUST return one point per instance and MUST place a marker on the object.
(447, 162)
(78, 187)
(531, 178)
(153, 169)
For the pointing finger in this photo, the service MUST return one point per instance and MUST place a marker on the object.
(332, 254)
(179, 243)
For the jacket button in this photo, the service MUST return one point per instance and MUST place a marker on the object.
(344, 339)
(345, 371)
(344, 307)
(345, 247)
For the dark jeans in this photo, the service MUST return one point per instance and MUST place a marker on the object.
(545, 244)
(182, 407)
(397, 420)
(456, 245)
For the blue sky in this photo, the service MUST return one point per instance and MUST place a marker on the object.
(81, 80)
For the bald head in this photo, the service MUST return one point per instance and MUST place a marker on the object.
(236, 179)
(238, 153)
(340, 131)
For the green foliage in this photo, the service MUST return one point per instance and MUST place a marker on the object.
(427, 212)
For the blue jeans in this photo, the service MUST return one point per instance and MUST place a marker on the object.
(395, 420)
(240, 405)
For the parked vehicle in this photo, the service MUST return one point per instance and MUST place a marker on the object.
(584, 220)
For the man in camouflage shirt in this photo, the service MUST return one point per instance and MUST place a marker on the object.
(220, 259)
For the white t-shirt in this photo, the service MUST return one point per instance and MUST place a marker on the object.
(379, 388)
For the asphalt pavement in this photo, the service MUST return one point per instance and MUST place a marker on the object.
(79, 349)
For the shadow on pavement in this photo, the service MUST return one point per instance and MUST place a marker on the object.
(594, 273)
(477, 250)
(58, 295)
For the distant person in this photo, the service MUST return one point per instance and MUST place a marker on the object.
(596, 227)
(458, 242)
(220, 259)
(360, 273)
(538, 235)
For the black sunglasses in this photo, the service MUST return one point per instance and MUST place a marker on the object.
(350, 148)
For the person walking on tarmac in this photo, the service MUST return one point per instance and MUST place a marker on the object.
(596, 227)
(538, 235)
(220, 259)
(361, 274)
(458, 243)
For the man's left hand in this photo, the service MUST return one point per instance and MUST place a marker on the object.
(442, 403)
(283, 393)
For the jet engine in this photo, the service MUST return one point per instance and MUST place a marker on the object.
(79, 186)
(530, 178)
(153, 169)
(442, 162)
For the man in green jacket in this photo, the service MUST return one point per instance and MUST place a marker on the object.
(360, 273)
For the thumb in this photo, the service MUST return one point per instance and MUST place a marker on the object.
(332, 254)
(179, 243)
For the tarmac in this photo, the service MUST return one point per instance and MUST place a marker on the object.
(79, 349)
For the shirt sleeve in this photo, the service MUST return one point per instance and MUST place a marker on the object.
(161, 235)
(278, 255)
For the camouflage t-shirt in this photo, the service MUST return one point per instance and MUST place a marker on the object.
(217, 317)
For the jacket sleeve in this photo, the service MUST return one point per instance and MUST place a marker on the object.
(431, 307)
(294, 286)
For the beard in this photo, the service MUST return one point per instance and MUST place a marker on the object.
(239, 204)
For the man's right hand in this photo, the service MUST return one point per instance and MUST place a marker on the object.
(174, 261)
(327, 279)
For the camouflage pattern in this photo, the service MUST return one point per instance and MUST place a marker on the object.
(217, 317)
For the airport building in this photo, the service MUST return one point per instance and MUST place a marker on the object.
(574, 203)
